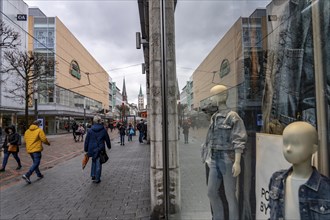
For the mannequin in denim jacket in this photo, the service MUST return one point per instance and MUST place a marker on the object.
(226, 141)
(300, 192)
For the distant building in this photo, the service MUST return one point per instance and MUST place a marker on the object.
(141, 99)
(10, 10)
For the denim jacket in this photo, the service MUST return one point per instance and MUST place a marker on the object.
(226, 132)
(314, 196)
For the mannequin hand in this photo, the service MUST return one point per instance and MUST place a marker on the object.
(236, 170)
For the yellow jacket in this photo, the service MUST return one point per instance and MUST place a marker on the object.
(34, 137)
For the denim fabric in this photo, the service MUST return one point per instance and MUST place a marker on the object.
(220, 169)
(290, 84)
(141, 134)
(122, 139)
(130, 137)
(314, 196)
(36, 157)
(6, 156)
(96, 169)
(226, 132)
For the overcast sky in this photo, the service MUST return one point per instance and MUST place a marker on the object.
(107, 29)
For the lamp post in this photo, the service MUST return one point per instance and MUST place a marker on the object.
(84, 111)
(35, 97)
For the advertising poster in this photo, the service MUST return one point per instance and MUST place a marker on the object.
(269, 159)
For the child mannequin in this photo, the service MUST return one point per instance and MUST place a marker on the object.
(305, 192)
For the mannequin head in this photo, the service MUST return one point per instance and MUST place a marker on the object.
(219, 94)
(300, 142)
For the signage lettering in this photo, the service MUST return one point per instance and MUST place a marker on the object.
(21, 17)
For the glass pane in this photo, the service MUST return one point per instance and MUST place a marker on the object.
(244, 75)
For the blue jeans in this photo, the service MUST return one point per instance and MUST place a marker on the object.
(6, 156)
(36, 157)
(130, 137)
(122, 139)
(96, 168)
(141, 134)
(221, 170)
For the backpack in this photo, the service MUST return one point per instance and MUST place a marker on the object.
(131, 131)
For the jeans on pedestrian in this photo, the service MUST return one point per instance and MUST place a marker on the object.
(96, 168)
(6, 156)
(141, 134)
(221, 170)
(36, 157)
(122, 139)
(130, 137)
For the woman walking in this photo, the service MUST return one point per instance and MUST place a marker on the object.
(122, 132)
(95, 141)
(130, 132)
(12, 138)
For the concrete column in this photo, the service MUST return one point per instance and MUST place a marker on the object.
(156, 123)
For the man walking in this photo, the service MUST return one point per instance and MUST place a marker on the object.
(34, 137)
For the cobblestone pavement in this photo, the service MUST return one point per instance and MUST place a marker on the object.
(67, 192)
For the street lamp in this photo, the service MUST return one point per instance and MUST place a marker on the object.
(35, 97)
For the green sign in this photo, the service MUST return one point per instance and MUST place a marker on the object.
(224, 68)
(75, 70)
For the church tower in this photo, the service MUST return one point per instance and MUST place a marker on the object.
(141, 99)
(124, 94)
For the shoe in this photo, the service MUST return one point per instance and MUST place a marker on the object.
(19, 167)
(41, 176)
(96, 181)
(93, 178)
(27, 179)
(2, 170)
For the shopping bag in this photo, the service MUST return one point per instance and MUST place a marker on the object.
(85, 161)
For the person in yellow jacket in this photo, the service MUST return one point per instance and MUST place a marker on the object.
(34, 137)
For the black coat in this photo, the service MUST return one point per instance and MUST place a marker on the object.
(14, 138)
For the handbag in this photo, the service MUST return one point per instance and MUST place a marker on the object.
(12, 148)
(85, 160)
(103, 157)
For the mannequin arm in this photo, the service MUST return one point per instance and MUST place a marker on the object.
(236, 170)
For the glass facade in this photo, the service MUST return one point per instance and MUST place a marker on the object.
(268, 70)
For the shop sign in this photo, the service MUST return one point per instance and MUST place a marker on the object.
(75, 70)
(269, 159)
(21, 17)
(224, 68)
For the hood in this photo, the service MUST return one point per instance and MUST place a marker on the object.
(97, 127)
(33, 127)
(12, 127)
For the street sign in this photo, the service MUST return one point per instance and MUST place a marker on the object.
(21, 17)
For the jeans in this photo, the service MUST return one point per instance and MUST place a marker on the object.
(221, 170)
(96, 168)
(130, 137)
(141, 134)
(6, 156)
(36, 157)
(122, 139)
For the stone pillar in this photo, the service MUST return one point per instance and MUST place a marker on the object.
(156, 125)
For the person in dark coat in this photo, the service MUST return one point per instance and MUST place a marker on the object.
(74, 129)
(122, 132)
(96, 138)
(12, 137)
(186, 127)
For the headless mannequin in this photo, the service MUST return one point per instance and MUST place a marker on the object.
(225, 157)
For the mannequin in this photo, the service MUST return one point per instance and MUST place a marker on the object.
(305, 192)
(226, 139)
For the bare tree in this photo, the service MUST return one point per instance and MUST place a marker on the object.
(30, 72)
(8, 37)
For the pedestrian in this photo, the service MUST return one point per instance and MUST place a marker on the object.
(80, 132)
(74, 130)
(122, 133)
(11, 138)
(130, 132)
(145, 130)
(111, 126)
(185, 128)
(95, 141)
(141, 127)
(34, 137)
